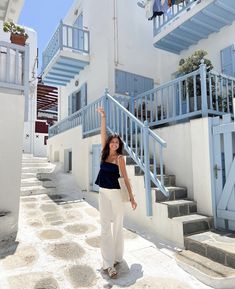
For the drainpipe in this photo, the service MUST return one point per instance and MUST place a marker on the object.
(115, 26)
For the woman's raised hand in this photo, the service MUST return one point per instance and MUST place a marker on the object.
(101, 111)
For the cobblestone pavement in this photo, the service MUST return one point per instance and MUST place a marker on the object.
(58, 247)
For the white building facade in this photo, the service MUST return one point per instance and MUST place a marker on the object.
(114, 49)
(14, 90)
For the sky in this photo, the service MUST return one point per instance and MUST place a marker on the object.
(44, 17)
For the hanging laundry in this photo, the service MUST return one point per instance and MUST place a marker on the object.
(159, 8)
(148, 8)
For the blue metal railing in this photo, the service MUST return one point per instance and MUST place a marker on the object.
(143, 145)
(174, 12)
(66, 36)
(194, 94)
(67, 123)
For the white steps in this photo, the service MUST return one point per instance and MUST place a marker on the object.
(34, 190)
(31, 168)
(29, 182)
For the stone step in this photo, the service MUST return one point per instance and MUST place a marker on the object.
(179, 208)
(38, 169)
(194, 223)
(139, 171)
(169, 181)
(29, 182)
(130, 161)
(36, 190)
(34, 160)
(175, 193)
(28, 175)
(207, 271)
(215, 245)
(35, 165)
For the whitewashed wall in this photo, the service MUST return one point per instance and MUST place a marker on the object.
(11, 131)
(187, 157)
(11, 145)
(120, 37)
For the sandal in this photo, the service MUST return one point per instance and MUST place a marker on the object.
(112, 272)
(116, 263)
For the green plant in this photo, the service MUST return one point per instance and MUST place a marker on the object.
(191, 64)
(14, 29)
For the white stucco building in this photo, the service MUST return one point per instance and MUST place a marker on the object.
(119, 49)
(14, 90)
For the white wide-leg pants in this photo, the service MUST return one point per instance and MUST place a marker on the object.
(111, 210)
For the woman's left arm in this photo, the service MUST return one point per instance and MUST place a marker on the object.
(122, 167)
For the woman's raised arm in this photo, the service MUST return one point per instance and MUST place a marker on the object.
(103, 126)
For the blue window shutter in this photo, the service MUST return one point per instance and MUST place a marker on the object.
(120, 81)
(84, 95)
(70, 104)
(130, 83)
(74, 102)
(126, 82)
(228, 60)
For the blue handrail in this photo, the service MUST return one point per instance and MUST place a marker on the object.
(194, 94)
(142, 144)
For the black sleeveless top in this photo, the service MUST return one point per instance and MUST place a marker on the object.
(108, 176)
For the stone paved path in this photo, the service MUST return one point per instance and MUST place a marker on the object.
(58, 248)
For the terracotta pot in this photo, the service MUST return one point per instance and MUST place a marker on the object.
(18, 39)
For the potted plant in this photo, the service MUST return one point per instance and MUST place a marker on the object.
(18, 34)
(188, 65)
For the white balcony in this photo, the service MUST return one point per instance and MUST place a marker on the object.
(66, 55)
(190, 21)
(14, 68)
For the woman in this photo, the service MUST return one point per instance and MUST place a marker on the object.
(110, 203)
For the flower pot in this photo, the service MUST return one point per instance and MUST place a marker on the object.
(18, 39)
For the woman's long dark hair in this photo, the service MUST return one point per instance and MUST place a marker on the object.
(105, 151)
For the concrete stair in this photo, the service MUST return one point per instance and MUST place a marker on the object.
(207, 271)
(216, 245)
(32, 168)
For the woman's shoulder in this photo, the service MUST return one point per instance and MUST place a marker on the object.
(120, 156)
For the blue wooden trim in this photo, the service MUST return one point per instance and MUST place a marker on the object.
(60, 40)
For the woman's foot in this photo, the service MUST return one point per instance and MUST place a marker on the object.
(112, 272)
(116, 263)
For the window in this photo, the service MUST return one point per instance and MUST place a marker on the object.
(77, 99)
(132, 84)
(228, 60)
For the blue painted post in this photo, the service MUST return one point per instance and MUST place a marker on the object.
(149, 209)
(61, 35)
(105, 105)
(203, 88)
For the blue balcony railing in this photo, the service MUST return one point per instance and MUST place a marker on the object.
(174, 12)
(199, 93)
(14, 67)
(66, 37)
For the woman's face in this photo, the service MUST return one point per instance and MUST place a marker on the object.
(114, 144)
